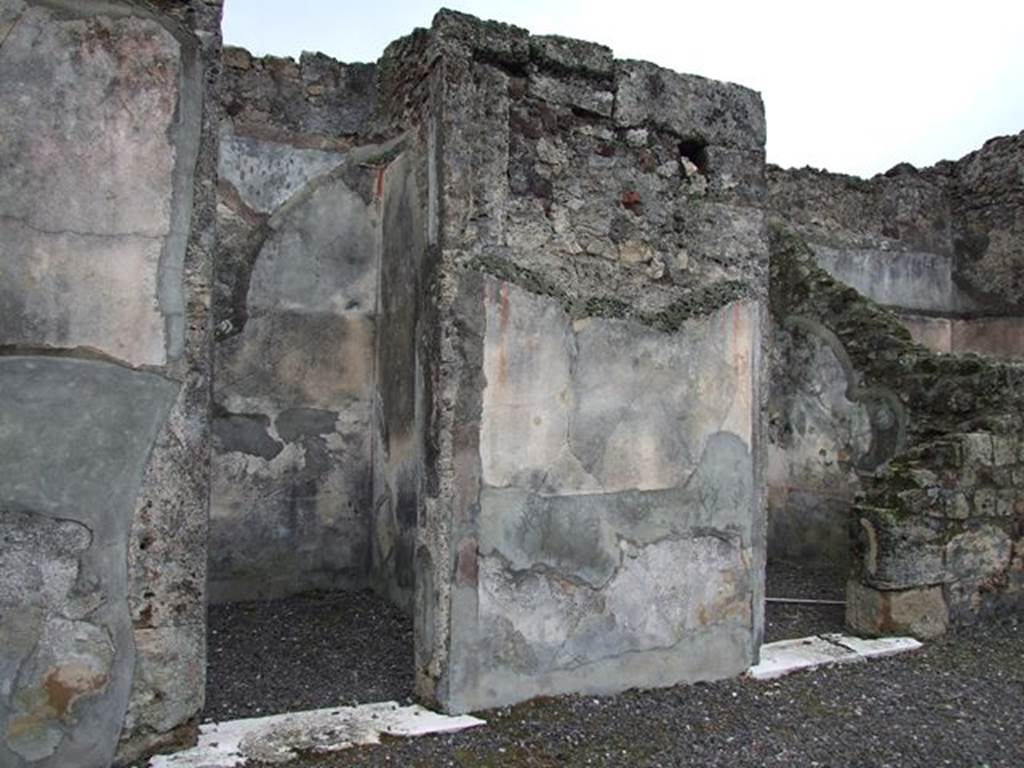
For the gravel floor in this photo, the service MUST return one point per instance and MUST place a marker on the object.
(788, 580)
(958, 702)
(271, 656)
(783, 622)
(268, 657)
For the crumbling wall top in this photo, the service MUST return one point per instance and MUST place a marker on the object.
(316, 101)
(966, 211)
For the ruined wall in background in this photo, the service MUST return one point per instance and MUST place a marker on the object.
(299, 210)
(944, 249)
(590, 513)
(940, 246)
(937, 528)
(988, 224)
(107, 112)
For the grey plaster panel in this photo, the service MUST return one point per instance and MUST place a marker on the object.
(909, 279)
(100, 124)
(74, 440)
(582, 536)
(267, 173)
(322, 256)
(293, 521)
(398, 419)
(536, 622)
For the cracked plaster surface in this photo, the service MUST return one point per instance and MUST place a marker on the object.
(118, 136)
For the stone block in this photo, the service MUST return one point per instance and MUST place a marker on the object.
(689, 106)
(957, 506)
(978, 448)
(1004, 450)
(921, 613)
(978, 554)
(572, 93)
(568, 55)
(900, 550)
(986, 502)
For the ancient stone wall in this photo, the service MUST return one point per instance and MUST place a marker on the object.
(108, 113)
(942, 248)
(938, 528)
(590, 511)
(987, 203)
(482, 327)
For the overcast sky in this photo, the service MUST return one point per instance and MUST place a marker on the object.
(854, 86)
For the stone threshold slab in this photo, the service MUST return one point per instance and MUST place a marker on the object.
(787, 656)
(281, 738)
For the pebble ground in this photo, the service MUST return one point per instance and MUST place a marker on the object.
(957, 702)
(306, 652)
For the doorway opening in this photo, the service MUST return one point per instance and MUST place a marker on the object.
(315, 459)
(817, 436)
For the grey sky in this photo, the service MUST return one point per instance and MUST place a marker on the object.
(854, 87)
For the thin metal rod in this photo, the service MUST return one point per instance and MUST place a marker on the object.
(803, 601)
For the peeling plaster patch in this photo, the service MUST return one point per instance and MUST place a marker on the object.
(280, 738)
(659, 594)
(295, 423)
(607, 405)
(246, 433)
(72, 662)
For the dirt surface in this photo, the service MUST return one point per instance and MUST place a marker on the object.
(957, 702)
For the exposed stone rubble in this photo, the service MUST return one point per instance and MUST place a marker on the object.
(315, 102)
(937, 528)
